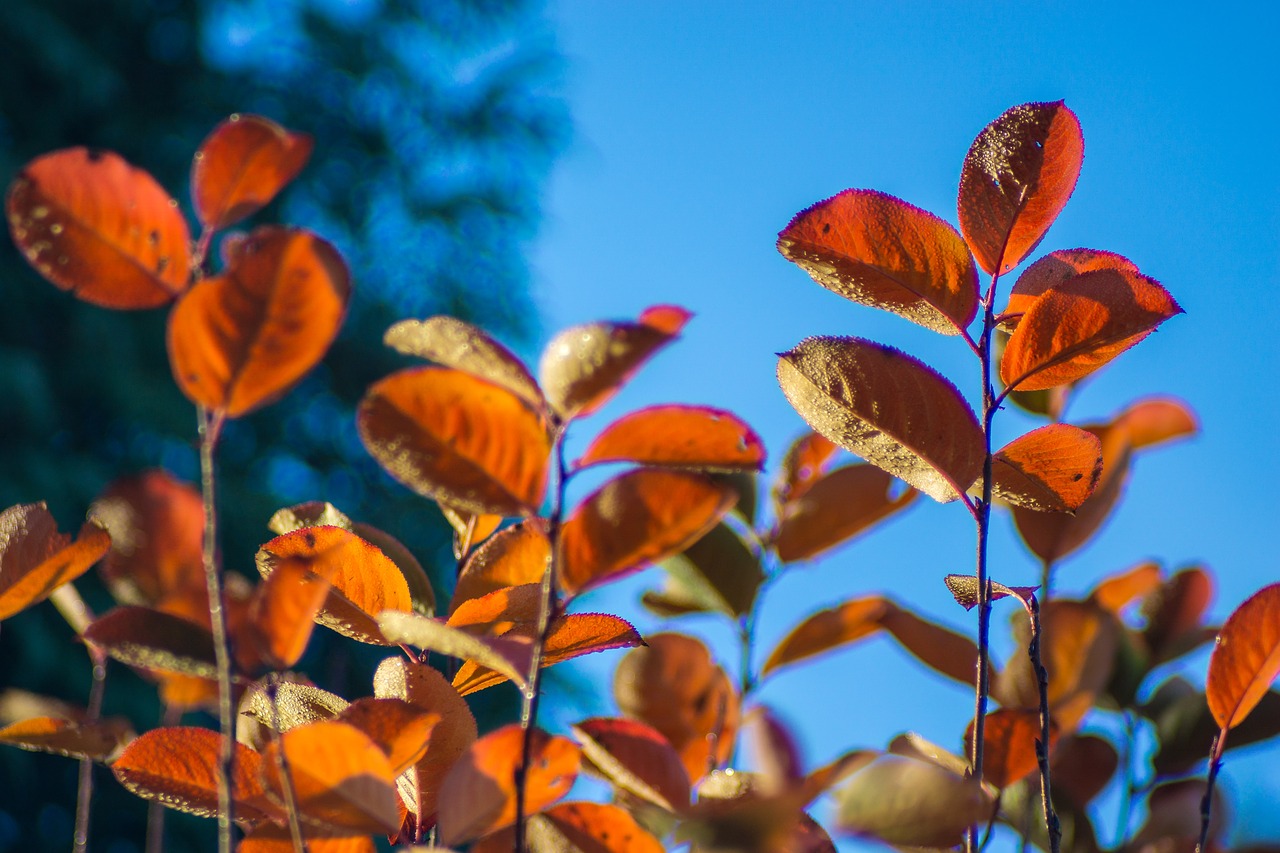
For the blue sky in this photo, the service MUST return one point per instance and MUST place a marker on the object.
(702, 128)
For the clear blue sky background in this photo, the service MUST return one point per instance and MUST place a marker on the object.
(702, 128)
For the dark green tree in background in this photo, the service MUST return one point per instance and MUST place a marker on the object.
(436, 123)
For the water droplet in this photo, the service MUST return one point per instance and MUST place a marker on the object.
(199, 155)
(234, 117)
(63, 260)
(40, 211)
(55, 229)
(173, 202)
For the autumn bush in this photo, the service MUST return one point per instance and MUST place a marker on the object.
(474, 430)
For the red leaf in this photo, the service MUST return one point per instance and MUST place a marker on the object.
(243, 338)
(241, 166)
(805, 462)
(1009, 744)
(1246, 658)
(1054, 468)
(1016, 179)
(93, 224)
(835, 508)
(35, 559)
(878, 250)
(1054, 269)
(678, 437)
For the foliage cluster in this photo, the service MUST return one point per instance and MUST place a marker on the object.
(294, 766)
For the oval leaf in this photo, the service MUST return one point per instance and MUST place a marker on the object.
(890, 409)
(904, 801)
(454, 438)
(835, 508)
(140, 636)
(878, 250)
(241, 166)
(1009, 744)
(97, 741)
(95, 225)
(1157, 420)
(243, 338)
(400, 728)
(636, 519)
(678, 437)
(35, 559)
(1246, 658)
(636, 758)
(720, 572)
(433, 635)
(1051, 469)
(1016, 179)
(1054, 269)
(1082, 324)
(515, 556)
(827, 630)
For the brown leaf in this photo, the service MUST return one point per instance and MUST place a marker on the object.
(241, 339)
(35, 559)
(1053, 269)
(1081, 766)
(1175, 613)
(1009, 744)
(511, 557)
(965, 590)
(434, 635)
(890, 409)
(96, 740)
(1051, 469)
(1078, 326)
(454, 438)
(241, 166)
(834, 508)
(635, 519)
(718, 573)
(636, 758)
(806, 461)
(1016, 179)
(479, 793)
(99, 227)
(905, 801)
(455, 343)
(678, 437)
(877, 250)
(1246, 658)
(583, 366)
(140, 636)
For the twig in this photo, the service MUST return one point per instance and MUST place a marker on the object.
(1051, 823)
(1127, 790)
(282, 765)
(1206, 802)
(71, 606)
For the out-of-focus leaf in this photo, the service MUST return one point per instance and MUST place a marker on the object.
(834, 508)
(281, 615)
(635, 519)
(514, 556)
(400, 728)
(805, 462)
(904, 801)
(583, 366)
(1156, 420)
(1116, 592)
(35, 559)
(241, 339)
(636, 758)
(1051, 469)
(1081, 766)
(1246, 658)
(575, 828)
(99, 227)
(140, 636)
(1009, 744)
(455, 343)
(269, 838)
(1174, 815)
(777, 756)
(890, 409)
(1053, 269)
(469, 528)
(340, 776)
(718, 572)
(1186, 727)
(1082, 324)
(479, 793)
(678, 437)
(434, 635)
(97, 740)
(878, 250)
(241, 166)
(1017, 177)
(454, 438)
(1175, 612)
(674, 686)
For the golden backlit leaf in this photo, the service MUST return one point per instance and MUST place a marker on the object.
(636, 758)
(35, 559)
(478, 796)
(140, 636)
(1246, 658)
(877, 250)
(1078, 326)
(96, 740)
(1017, 177)
(890, 409)
(1009, 744)
(635, 519)
(836, 507)
(511, 557)
(966, 591)
(1053, 269)
(1051, 469)
(295, 704)
(99, 227)
(241, 166)
(499, 611)
(400, 728)
(241, 339)
(455, 343)
(434, 635)
(454, 438)
(678, 436)
(583, 366)
(909, 802)
(281, 615)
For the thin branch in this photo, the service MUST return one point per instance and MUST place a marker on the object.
(1051, 823)
(84, 791)
(1206, 802)
(282, 766)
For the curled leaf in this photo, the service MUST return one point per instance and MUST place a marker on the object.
(35, 559)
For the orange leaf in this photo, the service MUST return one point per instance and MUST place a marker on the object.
(678, 437)
(508, 660)
(636, 758)
(277, 627)
(499, 611)
(341, 777)
(576, 828)
(583, 366)
(1117, 592)
(454, 343)
(478, 796)
(1054, 269)
(1157, 420)
(93, 224)
(365, 581)
(673, 685)
(157, 528)
(1016, 179)
(469, 529)
(269, 838)
(511, 557)
(35, 559)
(636, 519)
(834, 508)
(401, 729)
(941, 649)
(877, 250)
(241, 166)
(179, 767)
(1009, 744)
(890, 409)
(241, 339)
(1246, 658)
(97, 740)
(140, 636)
(1078, 326)
(805, 462)
(454, 438)
(1051, 469)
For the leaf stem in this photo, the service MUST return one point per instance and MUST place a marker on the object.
(84, 790)
(282, 766)
(1051, 823)
(1206, 802)
(546, 608)
(210, 427)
